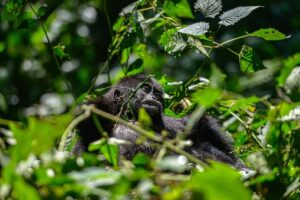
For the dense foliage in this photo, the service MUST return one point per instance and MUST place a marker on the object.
(229, 60)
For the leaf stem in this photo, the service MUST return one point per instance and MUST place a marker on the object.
(234, 39)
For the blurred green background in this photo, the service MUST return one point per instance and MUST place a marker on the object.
(31, 84)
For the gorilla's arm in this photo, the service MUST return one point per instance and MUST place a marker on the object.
(210, 143)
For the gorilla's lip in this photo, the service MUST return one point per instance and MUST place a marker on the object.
(151, 103)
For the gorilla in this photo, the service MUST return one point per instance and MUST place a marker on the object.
(132, 93)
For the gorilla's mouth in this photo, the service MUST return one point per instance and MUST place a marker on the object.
(150, 103)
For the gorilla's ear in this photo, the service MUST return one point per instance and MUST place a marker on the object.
(117, 95)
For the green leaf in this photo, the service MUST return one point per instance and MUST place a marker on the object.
(270, 34)
(172, 41)
(219, 182)
(135, 68)
(245, 103)
(206, 97)
(141, 160)
(42, 10)
(288, 66)
(40, 135)
(111, 153)
(59, 51)
(25, 191)
(97, 144)
(249, 60)
(144, 118)
(178, 8)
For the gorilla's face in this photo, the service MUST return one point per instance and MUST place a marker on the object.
(149, 96)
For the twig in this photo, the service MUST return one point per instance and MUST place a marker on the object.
(53, 54)
(145, 133)
(71, 126)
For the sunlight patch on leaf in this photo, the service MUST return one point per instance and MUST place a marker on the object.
(270, 34)
(232, 16)
(195, 29)
(249, 60)
(179, 8)
(207, 97)
(209, 8)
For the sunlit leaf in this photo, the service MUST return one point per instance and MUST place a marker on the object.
(144, 118)
(172, 41)
(220, 176)
(195, 29)
(206, 97)
(209, 8)
(270, 34)
(179, 8)
(95, 177)
(25, 191)
(59, 51)
(234, 15)
(289, 64)
(249, 60)
(96, 145)
(111, 153)
(173, 163)
(39, 136)
(141, 160)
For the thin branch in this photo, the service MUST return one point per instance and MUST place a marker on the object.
(6, 122)
(145, 133)
(71, 126)
(251, 130)
(52, 52)
(234, 39)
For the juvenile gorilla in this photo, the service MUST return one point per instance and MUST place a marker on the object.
(135, 92)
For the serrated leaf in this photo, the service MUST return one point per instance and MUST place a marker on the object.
(209, 8)
(172, 41)
(195, 29)
(270, 34)
(232, 16)
(198, 45)
(249, 60)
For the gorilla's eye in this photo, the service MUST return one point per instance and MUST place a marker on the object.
(158, 95)
(147, 88)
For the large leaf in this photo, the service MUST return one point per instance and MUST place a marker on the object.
(287, 68)
(232, 16)
(269, 34)
(206, 97)
(219, 182)
(195, 29)
(209, 8)
(179, 8)
(249, 60)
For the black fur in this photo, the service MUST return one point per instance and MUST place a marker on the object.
(208, 141)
